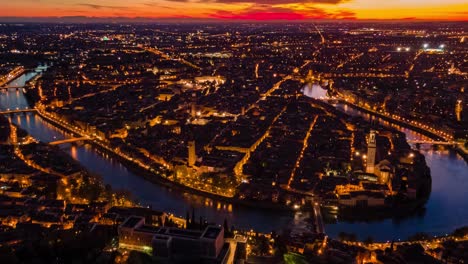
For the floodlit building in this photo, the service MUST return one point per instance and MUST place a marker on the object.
(135, 235)
(182, 244)
(384, 171)
(362, 199)
(174, 245)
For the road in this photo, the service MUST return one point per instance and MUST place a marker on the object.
(323, 41)
(239, 166)
(112, 88)
(168, 57)
(12, 75)
(304, 147)
(427, 244)
(355, 57)
(275, 87)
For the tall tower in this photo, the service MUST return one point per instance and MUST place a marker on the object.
(192, 110)
(192, 156)
(371, 149)
(458, 110)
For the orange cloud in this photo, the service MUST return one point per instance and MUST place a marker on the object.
(274, 13)
(242, 9)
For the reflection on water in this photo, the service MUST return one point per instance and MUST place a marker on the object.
(21, 80)
(446, 209)
(38, 128)
(160, 198)
(73, 152)
(120, 178)
(13, 98)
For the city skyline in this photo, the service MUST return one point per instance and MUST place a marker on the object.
(234, 10)
(233, 131)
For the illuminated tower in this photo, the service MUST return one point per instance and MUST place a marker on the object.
(192, 156)
(193, 105)
(371, 149)
(192, 110)
(458, 110)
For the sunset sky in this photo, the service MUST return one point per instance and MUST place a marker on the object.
(242, 9)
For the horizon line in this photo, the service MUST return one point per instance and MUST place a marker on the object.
(63, 19)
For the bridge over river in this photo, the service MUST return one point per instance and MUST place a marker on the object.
(68, 140)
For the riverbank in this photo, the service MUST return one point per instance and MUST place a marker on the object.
(162, 181)
(397, 122)
(397, 212)
(424, 132)
(397, 207)
(443, 212)
(462, 153)
(11, 76)
(156, 178)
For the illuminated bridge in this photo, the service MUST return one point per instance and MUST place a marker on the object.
(432, 142)
(70, 140)
(11, 87)
(6, 112)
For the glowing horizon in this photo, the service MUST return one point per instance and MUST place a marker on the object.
(450, 10)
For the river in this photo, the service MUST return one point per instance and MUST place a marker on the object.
(120, 178)
(446, 209)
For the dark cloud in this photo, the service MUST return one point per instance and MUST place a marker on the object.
(94, 6)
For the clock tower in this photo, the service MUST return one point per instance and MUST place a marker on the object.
(371, 149)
